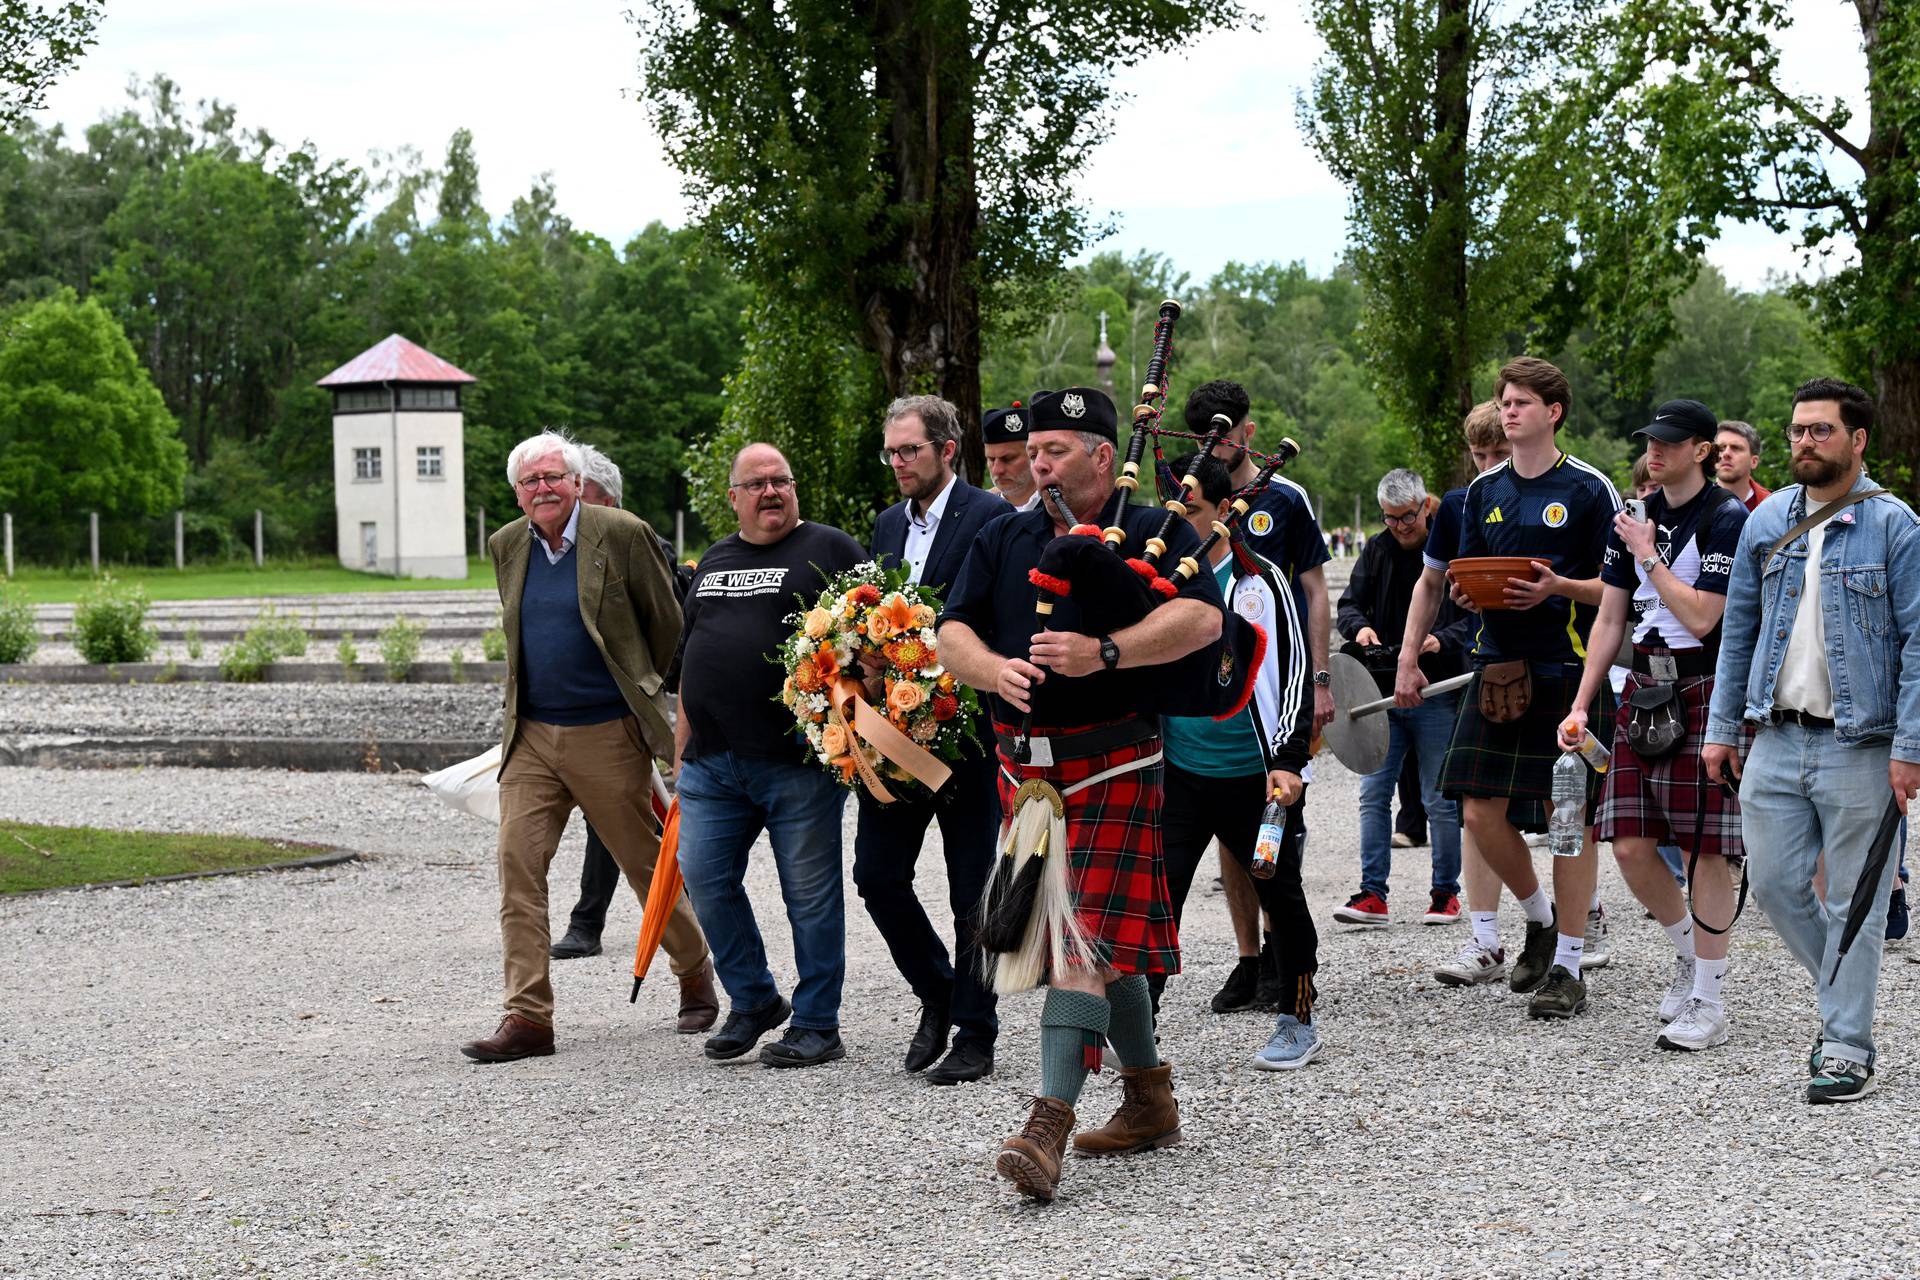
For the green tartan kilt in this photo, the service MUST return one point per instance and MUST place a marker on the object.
(1515, 760)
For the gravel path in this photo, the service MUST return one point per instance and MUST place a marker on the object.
(258, 1075)
(347, 711)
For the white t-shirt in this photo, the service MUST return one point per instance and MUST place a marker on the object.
(1804, 683)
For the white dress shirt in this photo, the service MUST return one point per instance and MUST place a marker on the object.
(1030, 503)
(922, 528)
(567, 536)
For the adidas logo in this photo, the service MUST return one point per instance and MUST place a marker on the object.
(1494, 516)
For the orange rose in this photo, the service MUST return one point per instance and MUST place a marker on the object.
(905, 697)
(817, 623)
(923, 615)
(833, 740)
(879, 629)
(945, 683)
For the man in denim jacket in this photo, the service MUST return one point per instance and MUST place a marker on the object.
(1831, 677)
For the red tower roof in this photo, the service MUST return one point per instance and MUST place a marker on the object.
(394, 359)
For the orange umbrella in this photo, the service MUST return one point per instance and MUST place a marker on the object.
(664, 891)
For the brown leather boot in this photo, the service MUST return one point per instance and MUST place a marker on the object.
(699, 1003)
(516, 1038)
(1030, 1160)
(1148, 1116)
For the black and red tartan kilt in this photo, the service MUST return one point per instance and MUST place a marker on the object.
(1113, 836)
(1670, 801)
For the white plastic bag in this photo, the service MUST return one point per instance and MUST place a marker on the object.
(472, 786)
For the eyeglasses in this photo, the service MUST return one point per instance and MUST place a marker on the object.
(906, 453)
(551, 479)
(778, 484)
(1820, 431)
(1405, 519)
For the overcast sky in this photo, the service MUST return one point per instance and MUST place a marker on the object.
(549, 88)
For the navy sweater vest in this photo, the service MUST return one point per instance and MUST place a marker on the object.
(563, 678)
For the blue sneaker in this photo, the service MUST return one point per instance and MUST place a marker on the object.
(1293, 1045)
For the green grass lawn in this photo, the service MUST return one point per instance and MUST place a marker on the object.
(34, 857)
(290, 578)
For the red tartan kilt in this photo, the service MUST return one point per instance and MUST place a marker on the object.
(1671, 800)
(1118, 872)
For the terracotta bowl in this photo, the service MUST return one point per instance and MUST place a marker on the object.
(1484, 578)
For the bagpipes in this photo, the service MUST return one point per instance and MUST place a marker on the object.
(1028, 923)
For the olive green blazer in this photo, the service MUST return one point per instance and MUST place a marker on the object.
(626, 601)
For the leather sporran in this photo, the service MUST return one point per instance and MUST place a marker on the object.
(1506, 690)
(1656, 721)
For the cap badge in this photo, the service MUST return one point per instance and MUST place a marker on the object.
(1073, 405)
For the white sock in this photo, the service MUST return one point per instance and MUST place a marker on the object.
(1682, 935)
(1708, 978)
(1567, 954)
(1538, 907)
(1486, 928)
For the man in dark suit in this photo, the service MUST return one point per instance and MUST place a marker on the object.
(929, 533)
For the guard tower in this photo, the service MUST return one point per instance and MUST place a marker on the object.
(399, 478)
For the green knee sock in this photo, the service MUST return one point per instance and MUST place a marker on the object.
(1072, 1025)
(1130, 1029)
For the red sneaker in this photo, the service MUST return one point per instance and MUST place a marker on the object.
(1365, 907)
(1445, 908)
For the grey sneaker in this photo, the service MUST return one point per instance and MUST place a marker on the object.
(1530, 970)
(1599, 953)
(1561, 996)
(1474, 965)
(1680, 990)
(1697, 1026)
(1840, 1081)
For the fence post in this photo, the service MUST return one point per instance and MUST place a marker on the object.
(6, 523)
(679, 535)
(259, 542)
(93, 539)
(180, 540)
(480, 532)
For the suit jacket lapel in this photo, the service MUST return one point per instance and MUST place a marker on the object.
(513, 572)
(890, 535)
(943, 534)
(590, 571)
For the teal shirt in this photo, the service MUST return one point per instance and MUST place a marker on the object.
(1214, 748)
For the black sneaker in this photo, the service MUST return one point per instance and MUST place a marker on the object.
(1815, 1054)
(1561, 996)
(1530, 970)
(1897, 915)
(804, 1047)
(1840, 1081)
(1267, 991)
(1242, 985)
(743, 1029)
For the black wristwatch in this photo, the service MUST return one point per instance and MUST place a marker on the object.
(1109, 653)
(1323, 679)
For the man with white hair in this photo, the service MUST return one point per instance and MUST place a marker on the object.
(1372, 616)
(591, 622)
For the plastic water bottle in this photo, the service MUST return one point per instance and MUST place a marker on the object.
(1569, 801)
(1266, 846)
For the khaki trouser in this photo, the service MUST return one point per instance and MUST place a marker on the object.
(602, 769)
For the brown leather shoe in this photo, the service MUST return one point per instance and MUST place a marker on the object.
(1148, 1115)
(1030, 1160)
(516, 1038)
(699, 1003)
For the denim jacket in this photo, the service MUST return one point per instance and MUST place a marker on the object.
(1870, 602)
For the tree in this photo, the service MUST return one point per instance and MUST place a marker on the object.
(896, 170)
(37, 43)
(1424, 110)
(1699, 94)
(82, 427)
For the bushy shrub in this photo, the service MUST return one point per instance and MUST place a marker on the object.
(347, 653)
(110, 624)
(399, 646)
(283, 634)
(18, 639)
(457, 660)
(194, 647)
(246, 660)
(493, 644)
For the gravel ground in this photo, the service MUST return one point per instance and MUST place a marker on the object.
(351, 711)
(258, 1075)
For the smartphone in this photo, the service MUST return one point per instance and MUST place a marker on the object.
(1636, 508)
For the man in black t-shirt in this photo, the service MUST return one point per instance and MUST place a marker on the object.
(741, 767)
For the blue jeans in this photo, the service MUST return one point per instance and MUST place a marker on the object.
(1675, 859)
(1425, 730)
(1801, 793)
(725, 803)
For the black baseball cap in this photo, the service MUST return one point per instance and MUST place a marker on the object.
(1677, 421)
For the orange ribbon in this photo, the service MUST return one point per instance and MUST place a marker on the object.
(848, 708)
